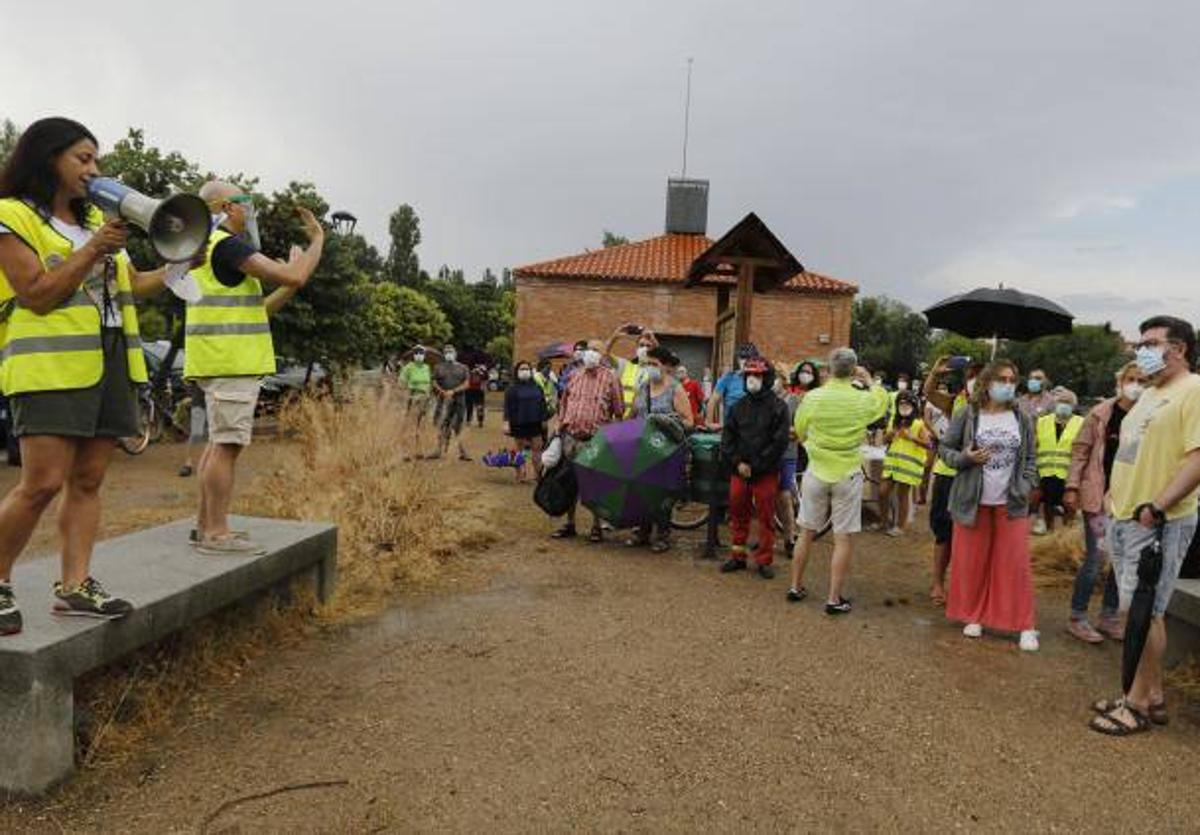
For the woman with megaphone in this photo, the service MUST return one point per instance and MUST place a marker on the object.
(70, 354)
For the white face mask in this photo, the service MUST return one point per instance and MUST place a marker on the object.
(1132, 391)
(642, 353)
(524, 374)
(902, 385)
(906, 412)
(805, 378)
(577, 355)
(970, 387)
(591, 358)
(754, 384)
(419, 357)
(451, 356)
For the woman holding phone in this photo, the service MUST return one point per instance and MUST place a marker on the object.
(990, 444)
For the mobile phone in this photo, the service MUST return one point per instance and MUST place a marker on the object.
(958, 363)
(633, 330)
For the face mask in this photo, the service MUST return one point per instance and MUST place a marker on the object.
(653, 373)
(741, 364)
(1149, 360)
(642, 353)
(879, 381)
(906, 412)
(1035, 386)
(753, 384)
(1132, 391)
(524, 374)
(577, 356)
(1063, 410)
(591, 358)
(970, 387)
(805, 378)
(419, 357)
(902, 385)
(451, 356)
(1002, 392)
(681, 374)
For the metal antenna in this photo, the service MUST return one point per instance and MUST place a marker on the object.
(687, 115)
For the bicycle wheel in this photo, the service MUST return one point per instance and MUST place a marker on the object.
(147, 418)
(689, 515)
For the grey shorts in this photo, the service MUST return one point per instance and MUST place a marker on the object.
(1126, 539)
(841, 502)
(229, 405)
(419, 404)
(108, 409)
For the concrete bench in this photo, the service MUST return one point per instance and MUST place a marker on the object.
(170, 584)
(1183, 622)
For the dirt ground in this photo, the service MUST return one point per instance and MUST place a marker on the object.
(549, 686)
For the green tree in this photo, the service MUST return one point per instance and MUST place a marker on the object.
(888, 335)
(948, 344)
(404, 229)
(500, 349)
(399, 317)
(9, 134)
(1084, 360)
(611, 239)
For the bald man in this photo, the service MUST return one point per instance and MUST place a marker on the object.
(228, 347)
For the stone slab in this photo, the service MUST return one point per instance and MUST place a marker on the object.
(171, 584)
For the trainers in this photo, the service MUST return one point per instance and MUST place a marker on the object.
(1029, 641)
(1039, 527)
(194, 535)
(89, 599)
(795, 595)
(10, 612)
(236, 545)
(895, 532)
(841, 607)
(732, 565)
(1084, 631)
(767, 572)
(185, 471)
(973, 630)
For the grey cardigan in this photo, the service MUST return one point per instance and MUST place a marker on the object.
(967, 488)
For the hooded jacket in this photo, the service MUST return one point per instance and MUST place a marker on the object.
(756, 431)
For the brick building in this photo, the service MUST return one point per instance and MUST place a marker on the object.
(586, 296)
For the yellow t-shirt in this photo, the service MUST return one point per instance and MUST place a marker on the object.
(1161, 428)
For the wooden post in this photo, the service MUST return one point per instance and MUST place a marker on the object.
(745, 299)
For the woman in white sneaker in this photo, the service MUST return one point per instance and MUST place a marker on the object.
(991, 445)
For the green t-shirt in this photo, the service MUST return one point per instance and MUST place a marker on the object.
(832, 422)
(417, 377)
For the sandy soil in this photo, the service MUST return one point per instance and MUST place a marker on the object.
(559, 686)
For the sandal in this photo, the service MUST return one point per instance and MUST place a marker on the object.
(1116, 727)
(1108, 705)
(660, 546)
(595, 535)
(565, 532)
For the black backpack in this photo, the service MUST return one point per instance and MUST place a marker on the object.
(557, 489)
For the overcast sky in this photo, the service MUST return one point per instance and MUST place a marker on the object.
(915, 148)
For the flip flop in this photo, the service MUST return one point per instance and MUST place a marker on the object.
(1116, 727)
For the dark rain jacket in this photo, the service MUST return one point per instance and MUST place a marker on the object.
(756, 433)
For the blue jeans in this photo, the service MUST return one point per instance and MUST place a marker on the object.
(1085, 579)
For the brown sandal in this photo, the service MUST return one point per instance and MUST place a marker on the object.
(1116, 727)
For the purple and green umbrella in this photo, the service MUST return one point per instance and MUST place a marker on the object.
(630, 473)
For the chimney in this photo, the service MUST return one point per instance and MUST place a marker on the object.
(687, 206)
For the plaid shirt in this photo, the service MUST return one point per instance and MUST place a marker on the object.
(593, 398)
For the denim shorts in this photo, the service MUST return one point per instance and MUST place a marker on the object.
(1127, 538)
(787, 474)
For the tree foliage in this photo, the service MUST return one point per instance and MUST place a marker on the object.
(404, 229)
(1084, 360)
(611, 239)
(888, 335)
(399, 317)
(9, 134)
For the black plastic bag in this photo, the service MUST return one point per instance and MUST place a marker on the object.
(557, 489)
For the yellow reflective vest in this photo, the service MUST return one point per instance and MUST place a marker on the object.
(940, 467)
(227, 332)
(629, 377)
(904, 461)
(1053, 449)
(59, 350)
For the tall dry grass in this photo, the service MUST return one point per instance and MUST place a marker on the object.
(340, 462)
(1056, 557)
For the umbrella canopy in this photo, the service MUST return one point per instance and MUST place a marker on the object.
(1140, 610)
(1000, 312)
(630, 473)
(556, 350)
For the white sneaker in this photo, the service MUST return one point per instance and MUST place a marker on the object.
(895, 532)
(1029, 640)
(973, 630)
(1039, 527)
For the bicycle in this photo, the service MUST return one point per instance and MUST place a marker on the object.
(157, 408)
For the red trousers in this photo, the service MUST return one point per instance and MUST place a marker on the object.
(991, 581)
(758, 496)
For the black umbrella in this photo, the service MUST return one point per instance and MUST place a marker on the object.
(999, 313)
(1137, 627)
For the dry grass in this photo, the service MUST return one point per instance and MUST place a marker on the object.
(1057, 556)
(1185, 679)
(342, 463)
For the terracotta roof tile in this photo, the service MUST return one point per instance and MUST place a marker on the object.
(665, 259)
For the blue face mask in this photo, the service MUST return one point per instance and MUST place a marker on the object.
(1063, 410)
(1002, 392)
(1150, 360)
(1035, 386)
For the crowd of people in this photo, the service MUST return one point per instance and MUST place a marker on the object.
(997, 456)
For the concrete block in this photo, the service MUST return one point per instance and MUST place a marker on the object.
(1183, 623)
(170, 583)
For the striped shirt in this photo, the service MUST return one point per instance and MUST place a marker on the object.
(593, 398)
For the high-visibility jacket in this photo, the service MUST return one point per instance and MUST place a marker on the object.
(549, 392)
(904, 461)
(227, 332)
(940, 467)
(629, 378)
(61, 349)
(1054, 449)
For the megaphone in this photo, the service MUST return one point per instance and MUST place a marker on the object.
(178, 226)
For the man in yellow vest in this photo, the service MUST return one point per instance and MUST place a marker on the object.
(228, 347)
(937, 393)
(629, 370)
(1056, 431)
